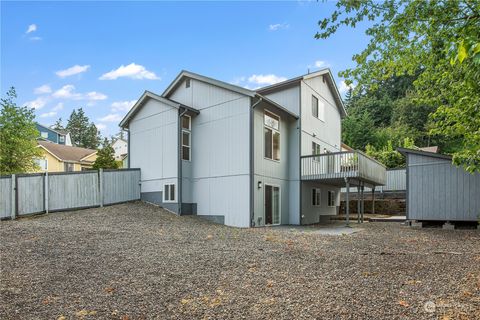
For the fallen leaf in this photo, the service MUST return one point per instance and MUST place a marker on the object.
(269, 283)
(403, 303)
(184, 301)
(61, 318)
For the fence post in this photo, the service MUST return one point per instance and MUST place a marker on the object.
(100, 180)
(45, 193)
(13, 198)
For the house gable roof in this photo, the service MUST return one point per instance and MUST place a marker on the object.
(291, 82)
(187, 74)
(406, 151)
(66, 153)
(144, 98)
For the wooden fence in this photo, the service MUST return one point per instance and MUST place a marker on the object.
(25, 194)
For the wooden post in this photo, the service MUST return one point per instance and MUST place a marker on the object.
(13, 198)
(373, 200)
(347, 202)
(100, 186)
(45, 192)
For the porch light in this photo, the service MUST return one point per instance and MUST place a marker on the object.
(259, 184)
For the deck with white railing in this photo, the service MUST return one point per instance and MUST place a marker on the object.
(335, 167)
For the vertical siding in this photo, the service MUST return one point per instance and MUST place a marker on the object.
(311, 214)
(328, 132)
(437, 190)
(30, 194)
(153, 145)
(78, 190)
(217, 178)
(5, 197)
(121, 186)
(288, 98)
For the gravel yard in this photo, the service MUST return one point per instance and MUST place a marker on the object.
(136, 261)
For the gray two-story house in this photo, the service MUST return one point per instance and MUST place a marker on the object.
(245, 157)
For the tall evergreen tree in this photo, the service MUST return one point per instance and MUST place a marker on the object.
(58, 125)
(105, 157)
(82, 132)
(18, 133)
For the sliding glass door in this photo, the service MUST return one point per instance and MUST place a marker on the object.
(272, 204)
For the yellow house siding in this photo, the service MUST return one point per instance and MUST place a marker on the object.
(55, 165)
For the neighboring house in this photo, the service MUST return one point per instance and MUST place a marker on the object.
(60, 158)
(120, 147)
(242, 157)
(437, 190)
(53, 135)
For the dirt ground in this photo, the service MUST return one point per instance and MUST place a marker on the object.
(137, 261)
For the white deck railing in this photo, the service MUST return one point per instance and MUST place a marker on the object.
(349, 164)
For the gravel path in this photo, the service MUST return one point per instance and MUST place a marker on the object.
(136, 261)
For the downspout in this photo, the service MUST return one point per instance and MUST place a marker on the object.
(252, 162)
(128, 147)
(180, 174)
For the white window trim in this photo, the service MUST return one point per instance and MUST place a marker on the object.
(273, 130)
(279, 204)
(189, 131)
(317, 159)
(334, 198)
(174, 194)
(317, 191)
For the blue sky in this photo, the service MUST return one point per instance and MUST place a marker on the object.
(102, 55)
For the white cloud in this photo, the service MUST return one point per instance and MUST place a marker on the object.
(31, 28)
(134, 71)
(320, 64)
(278, 26)
(113, 117)
(38, 103)
(35, 38)
(68, 92)
(48, 114)
(58, 107)
(122, 106)
(101, 126)
(265, 79)
(343, 88)
(94, 96)
(43, 89)
(76, 69)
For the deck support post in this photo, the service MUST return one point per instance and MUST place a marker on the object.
(362, 208)
(347, 202)
(359, 205)
(373, 200)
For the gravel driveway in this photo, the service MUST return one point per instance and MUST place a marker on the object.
(136, 261)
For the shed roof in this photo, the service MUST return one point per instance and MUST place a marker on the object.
(406, 151)
(66, 153)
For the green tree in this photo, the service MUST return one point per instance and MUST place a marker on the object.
(18, 133)
(58, 125)
(358, 130)
(105, 157)
(437, 41)
(388, 154)
(82, 132)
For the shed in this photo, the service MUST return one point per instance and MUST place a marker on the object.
(437, 190)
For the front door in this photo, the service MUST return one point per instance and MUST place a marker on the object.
(272, 205)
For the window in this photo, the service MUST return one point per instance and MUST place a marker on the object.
(68, 167)
(44, 134)
(169, 193)
(316, 197)
(315, 106)
(272, 136)
(331, 198)
(187, 83)
(316, 148)
(186, 137)
(42, 163)
(62, 139)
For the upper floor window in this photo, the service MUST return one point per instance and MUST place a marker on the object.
(44, 134)
(186, 137)
(187, 83)
(42, 163)
(272, 136)
(62, 139)
(315, 106)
